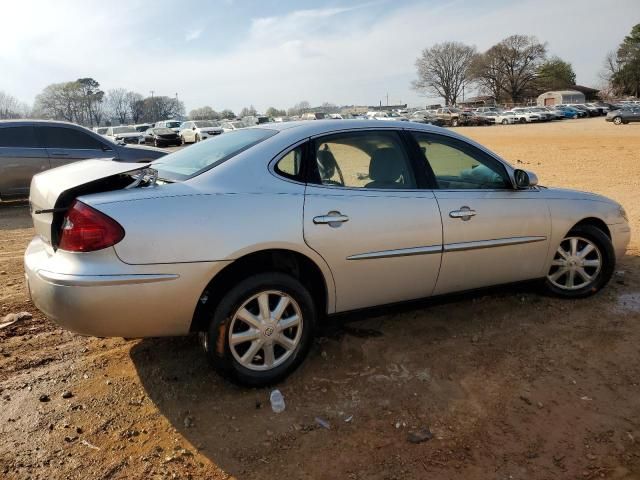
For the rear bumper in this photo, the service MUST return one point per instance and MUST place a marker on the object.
(97, 294)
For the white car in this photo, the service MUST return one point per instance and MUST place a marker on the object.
(386, 116)
(196, 130)
(172, 124)
(524, 115)
(506, 118)
(124, 134)
(545, 115)
(100, 130)
(231, 126)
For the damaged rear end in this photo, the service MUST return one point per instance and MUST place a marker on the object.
(53, 193)
(73, 272)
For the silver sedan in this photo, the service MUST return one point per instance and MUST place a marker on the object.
(253, 237)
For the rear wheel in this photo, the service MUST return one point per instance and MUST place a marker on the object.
(505, 122)
(583, 263)
(261, 330)
(523, 120)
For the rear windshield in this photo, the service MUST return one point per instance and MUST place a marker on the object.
(198, 158)
(204, 124)
(124, 130)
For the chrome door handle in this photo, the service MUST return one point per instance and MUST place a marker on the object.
(464, 214)
(333, 219)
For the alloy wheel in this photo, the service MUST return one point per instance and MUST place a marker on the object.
(576, 264)
(265, 330)
(617, 120)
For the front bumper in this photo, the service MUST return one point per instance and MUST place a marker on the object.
(97, 294)
(620, 238)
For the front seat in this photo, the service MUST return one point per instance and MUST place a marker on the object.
(385, 169)
(326, 166)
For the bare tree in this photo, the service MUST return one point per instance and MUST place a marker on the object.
(135, 105)
(203, 113)
(248, 112)
(227, 114)
(299, 108)
(117, 104)
(11, 107)
(509, 68)
(79, 101)
(443, 70)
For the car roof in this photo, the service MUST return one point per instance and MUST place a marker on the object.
(29, 121)
(318, 127)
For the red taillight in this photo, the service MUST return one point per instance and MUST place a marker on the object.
(85, 229)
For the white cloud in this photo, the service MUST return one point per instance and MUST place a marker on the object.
(193, 34)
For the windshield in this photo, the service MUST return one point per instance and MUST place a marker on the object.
(124, 130)
(172, 124)
(204, 124)
(163, 131)
(196, 159)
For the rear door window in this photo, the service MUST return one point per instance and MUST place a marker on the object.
(373, 159)
(70, 138)
(18, 137)
(290, 165)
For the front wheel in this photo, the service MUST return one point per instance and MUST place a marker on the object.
(261, 330)
(583, 263)
(454, 122)
(197, 138)
(505, 122)
(617, 121)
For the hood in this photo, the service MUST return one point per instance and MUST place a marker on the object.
(127, 135)
(568, 194)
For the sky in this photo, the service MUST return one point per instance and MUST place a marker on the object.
(236, 53)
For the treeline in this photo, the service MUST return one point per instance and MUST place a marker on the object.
(82, 101)
(208, 113)
(517, 69)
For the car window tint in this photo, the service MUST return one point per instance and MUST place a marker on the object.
(290, 164)
(457, 165)
(364, 160)
(60, 137)
(19, 137)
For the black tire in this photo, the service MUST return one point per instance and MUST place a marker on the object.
(156, 143)
(215, 340)
(454, 122)
(608, 263)
(505, 122)
(197, 138)
(523, 120)
(617, 120)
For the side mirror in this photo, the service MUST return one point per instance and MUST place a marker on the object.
(193, 128)
(525, 179)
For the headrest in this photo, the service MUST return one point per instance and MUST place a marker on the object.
(326, 164)
(385, 165)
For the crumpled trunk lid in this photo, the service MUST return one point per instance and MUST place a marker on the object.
(53, 191)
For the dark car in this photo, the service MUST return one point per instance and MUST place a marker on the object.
(624, 116)
(162, 137)
(28, 147)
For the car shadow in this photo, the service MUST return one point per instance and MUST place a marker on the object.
(234, 427)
